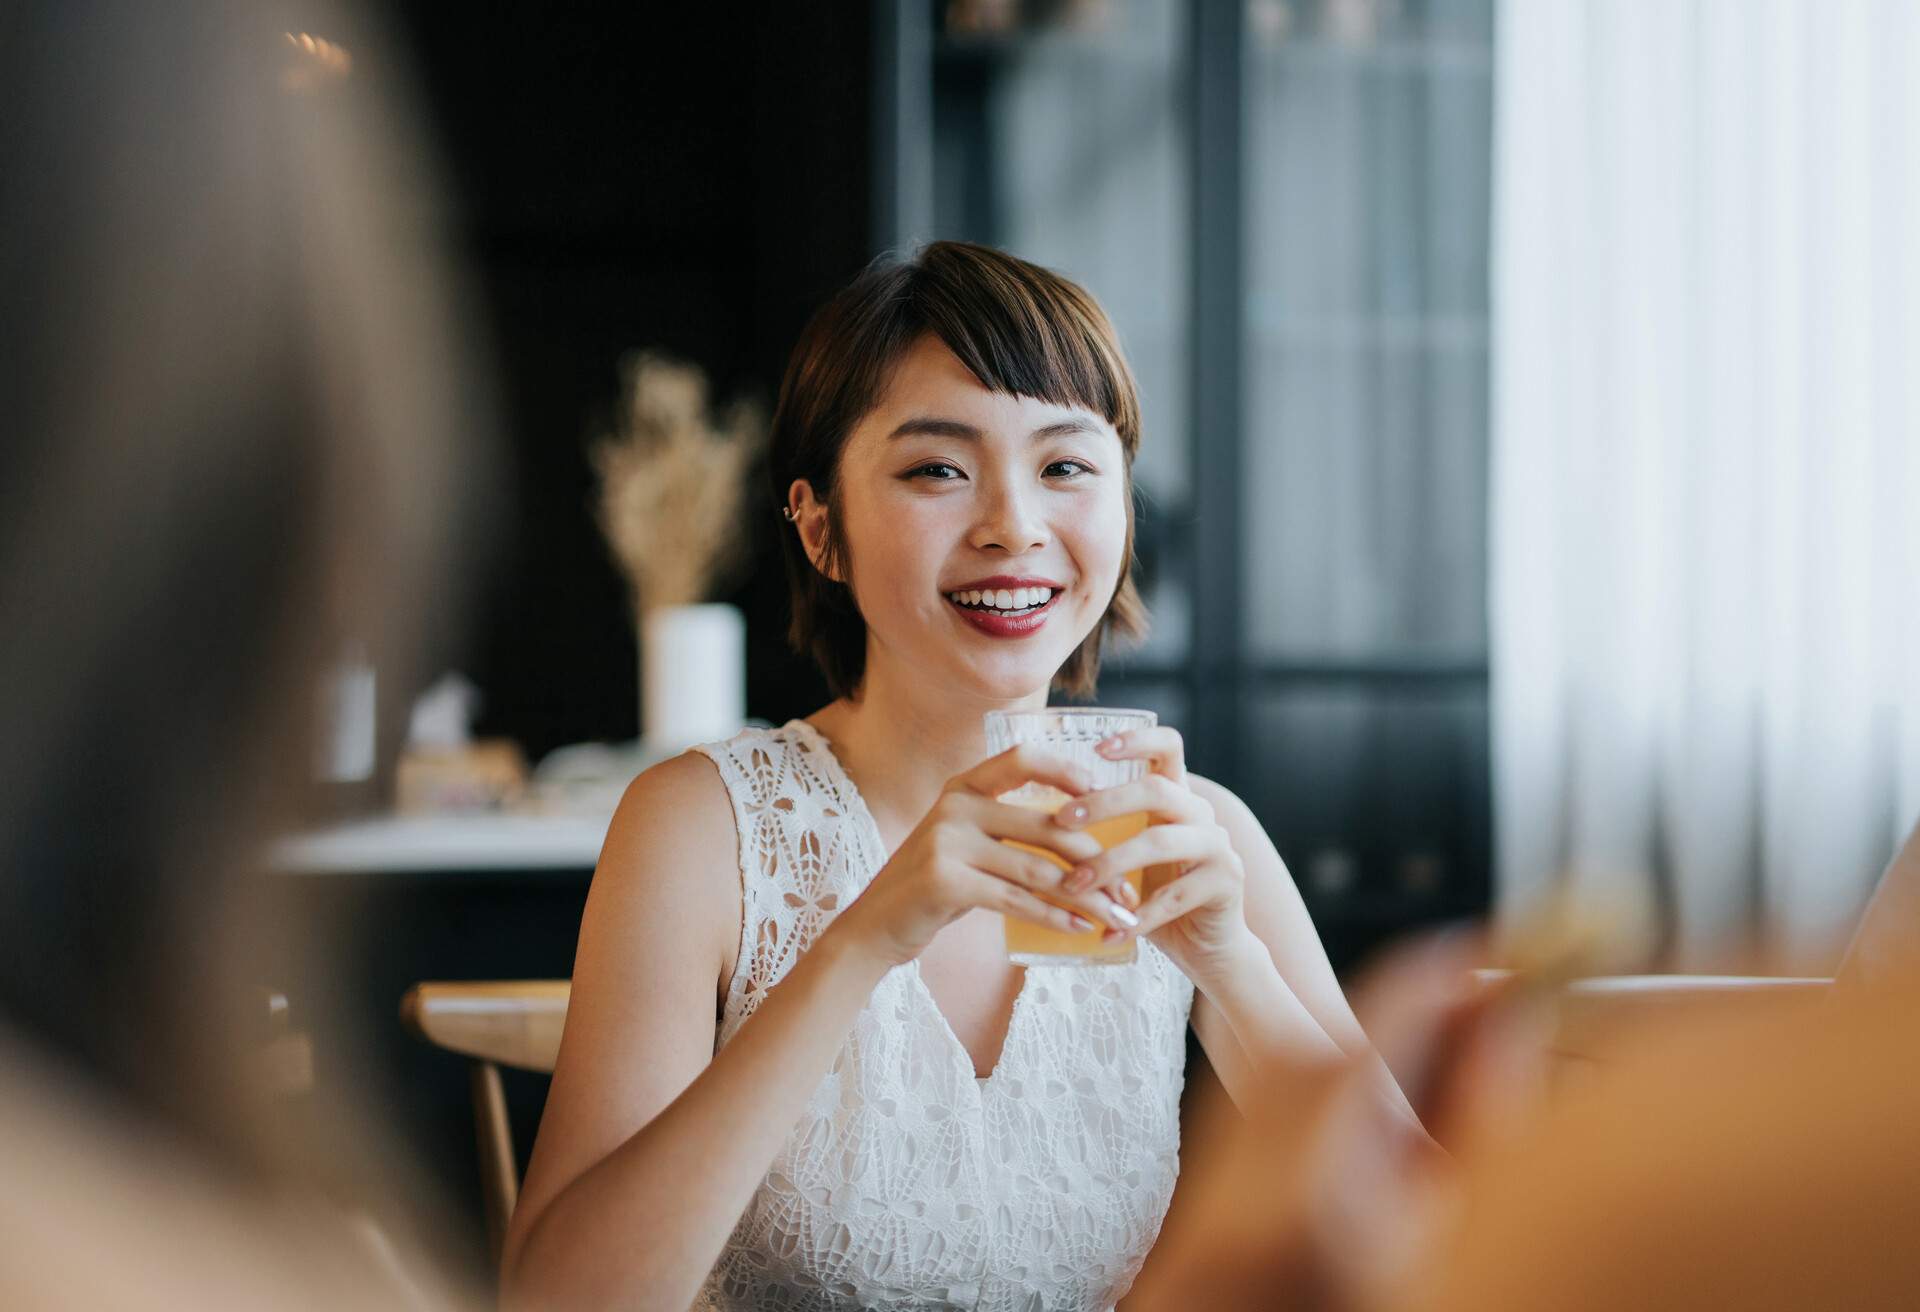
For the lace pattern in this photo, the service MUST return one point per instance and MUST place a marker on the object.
(907, 1183)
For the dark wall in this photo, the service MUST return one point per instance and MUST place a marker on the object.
(689, 178)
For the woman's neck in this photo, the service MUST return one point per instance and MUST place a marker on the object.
(902, 743)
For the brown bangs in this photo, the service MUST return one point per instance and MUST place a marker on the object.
(1024, 330)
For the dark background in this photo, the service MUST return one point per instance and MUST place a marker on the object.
(698, 179)
(687, 178)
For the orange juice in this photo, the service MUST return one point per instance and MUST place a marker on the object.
(1031, 944)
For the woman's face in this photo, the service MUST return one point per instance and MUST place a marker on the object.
(949, 490)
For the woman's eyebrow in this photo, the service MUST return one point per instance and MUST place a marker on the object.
(928, 426)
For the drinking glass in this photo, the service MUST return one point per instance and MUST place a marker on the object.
(1070, 732)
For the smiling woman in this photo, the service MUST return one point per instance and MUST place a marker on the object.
(799, 1068)
(1012, 480)
(960, 314)
(1003, 605)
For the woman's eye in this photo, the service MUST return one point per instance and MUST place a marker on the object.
(928, 471)
(1070, 464)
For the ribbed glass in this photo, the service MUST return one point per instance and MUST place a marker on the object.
(1072, 732)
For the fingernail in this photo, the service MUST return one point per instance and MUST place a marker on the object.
(1078, 878)
(1071, 815)
(1130, 895)
(1084, 925)
(1120, 916)
(1112, 744)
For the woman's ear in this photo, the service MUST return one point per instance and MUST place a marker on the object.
(809, 516)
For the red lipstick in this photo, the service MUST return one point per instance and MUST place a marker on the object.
(996, 625)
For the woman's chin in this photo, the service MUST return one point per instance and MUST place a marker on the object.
(987, 671)
(1008, 679)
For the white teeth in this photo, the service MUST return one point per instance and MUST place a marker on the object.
(1008, 599)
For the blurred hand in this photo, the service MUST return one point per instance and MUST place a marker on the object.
(1325, 1196)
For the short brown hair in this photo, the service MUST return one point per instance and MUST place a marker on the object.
(1020, 329)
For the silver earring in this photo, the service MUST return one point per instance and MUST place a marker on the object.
(786, 513)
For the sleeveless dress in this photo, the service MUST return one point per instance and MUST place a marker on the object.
(908, 1182)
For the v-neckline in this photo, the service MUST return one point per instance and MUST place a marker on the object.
(857, 806)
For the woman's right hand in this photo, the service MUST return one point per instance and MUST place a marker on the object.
(954, 862)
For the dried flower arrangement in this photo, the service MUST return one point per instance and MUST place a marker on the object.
(672, 475)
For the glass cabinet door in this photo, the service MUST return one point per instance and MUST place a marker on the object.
(1367, 188)
(1314, 552)
(1369, 140)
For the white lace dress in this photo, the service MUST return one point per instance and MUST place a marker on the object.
(909, 1183)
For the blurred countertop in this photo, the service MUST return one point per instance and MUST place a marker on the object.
(443, 843)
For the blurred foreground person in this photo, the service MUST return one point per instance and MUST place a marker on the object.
(1718, 1161)
(1752, 1166)
(229, 401)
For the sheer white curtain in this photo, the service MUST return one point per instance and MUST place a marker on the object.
(1706, 457)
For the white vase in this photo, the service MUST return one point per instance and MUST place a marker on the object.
(693, 676)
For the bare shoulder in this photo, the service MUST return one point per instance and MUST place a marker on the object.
(678, 815)
(672, 847)
(680, 803)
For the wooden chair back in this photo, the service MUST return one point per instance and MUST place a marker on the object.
(518, 1024)
(498, 1023)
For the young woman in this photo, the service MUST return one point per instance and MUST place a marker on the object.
(909, 1120)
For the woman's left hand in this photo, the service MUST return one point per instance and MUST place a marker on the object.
(1194, 908)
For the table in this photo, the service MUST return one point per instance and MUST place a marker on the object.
(443, 843)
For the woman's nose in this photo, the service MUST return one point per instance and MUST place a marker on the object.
(1009, 520)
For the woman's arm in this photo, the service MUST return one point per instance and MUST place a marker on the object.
(1221, 905)
(1282, 1002)
(651, 1145)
